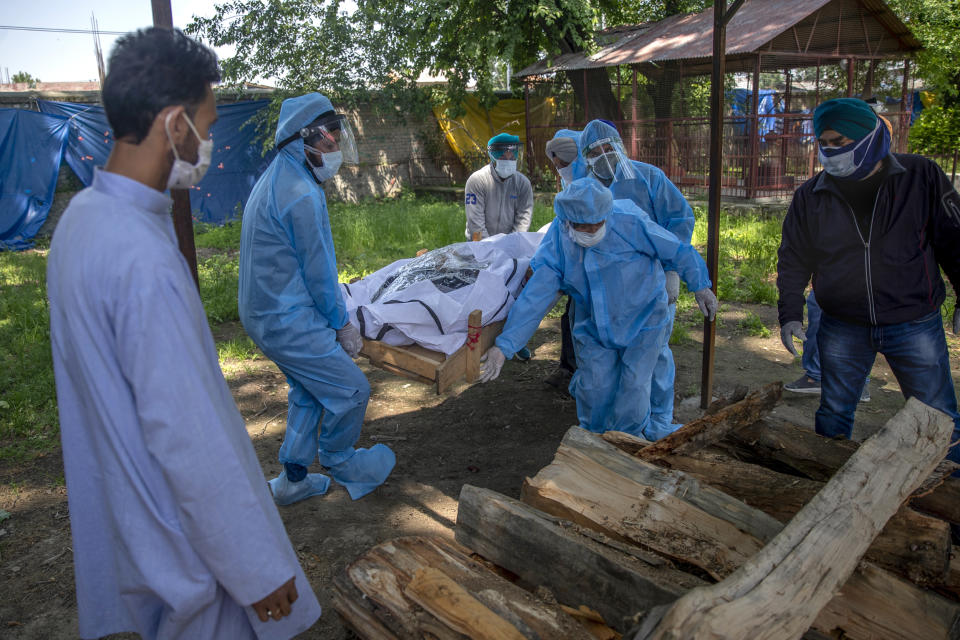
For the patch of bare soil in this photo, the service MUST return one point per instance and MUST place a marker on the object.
(489, 435)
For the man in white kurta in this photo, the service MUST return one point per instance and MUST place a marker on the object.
(175, 532)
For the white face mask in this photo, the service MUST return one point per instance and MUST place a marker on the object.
(331, 164)
(566, 174)
(182, 173)
(843, 164)
(506, 168)
(585, 239)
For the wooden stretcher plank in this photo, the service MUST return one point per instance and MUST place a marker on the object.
(381, 354)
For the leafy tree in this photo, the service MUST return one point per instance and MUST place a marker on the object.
(385, 44)
(23, 76)
(936, 23)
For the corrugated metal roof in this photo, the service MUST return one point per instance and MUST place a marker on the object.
(757, 24)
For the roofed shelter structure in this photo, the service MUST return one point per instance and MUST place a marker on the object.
(814, 49)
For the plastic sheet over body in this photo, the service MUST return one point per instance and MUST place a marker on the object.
(426, 300)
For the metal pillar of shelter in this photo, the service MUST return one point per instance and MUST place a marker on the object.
(182, 220)
(721, 16)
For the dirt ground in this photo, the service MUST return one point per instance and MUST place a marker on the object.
(489, 435)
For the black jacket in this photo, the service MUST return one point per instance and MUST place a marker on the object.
(891, 275)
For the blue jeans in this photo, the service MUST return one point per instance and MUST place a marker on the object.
(811, 353)
(916, 351)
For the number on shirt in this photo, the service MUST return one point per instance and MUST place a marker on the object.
(471, 198)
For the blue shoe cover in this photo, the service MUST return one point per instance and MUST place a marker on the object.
(523, 355)
(286, 492)
(366, 470)
(657, 430)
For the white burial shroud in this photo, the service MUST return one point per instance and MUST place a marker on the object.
(426, 300)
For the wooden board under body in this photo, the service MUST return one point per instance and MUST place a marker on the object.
(425, 365)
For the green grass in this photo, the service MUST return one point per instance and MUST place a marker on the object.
(752, 325)
(367, 236)
(28, 412)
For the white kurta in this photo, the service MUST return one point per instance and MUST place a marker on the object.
(173, 525)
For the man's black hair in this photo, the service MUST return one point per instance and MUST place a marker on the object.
(149, 70)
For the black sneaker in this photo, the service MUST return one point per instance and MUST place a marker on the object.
(560, 378)
(803, 384)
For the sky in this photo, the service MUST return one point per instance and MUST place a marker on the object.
(69, 57)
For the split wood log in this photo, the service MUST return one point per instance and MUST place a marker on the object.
(857, 614)
(416, 587)
(713, 427)
(793, 449)
(595, 485)
(779, 592)
(911, 544)
(579, 566)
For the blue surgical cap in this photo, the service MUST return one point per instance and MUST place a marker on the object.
(584, 201)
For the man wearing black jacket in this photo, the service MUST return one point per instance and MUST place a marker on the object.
(872, 230)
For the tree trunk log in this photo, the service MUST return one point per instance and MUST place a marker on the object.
(580, 566)
(779, 592)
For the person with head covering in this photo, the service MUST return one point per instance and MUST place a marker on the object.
(291, 306)
(497, 198)
(872, 231)
(564, 154)
(610, 258)
(649, 188)
(175, 534)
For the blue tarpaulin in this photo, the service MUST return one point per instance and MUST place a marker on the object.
(236, 164)
(31, 146)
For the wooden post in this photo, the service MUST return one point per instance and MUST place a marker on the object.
(904, 110)
(526, 125)
(753, 159)
(474, 325)
(182, 220)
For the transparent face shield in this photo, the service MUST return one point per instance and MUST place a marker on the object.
(605, 156)
(505, 151)
(330, 135)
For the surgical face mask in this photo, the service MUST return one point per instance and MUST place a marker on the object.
(505, 168)
(566, 174)
(604, 166)
(182, 173)
(585, 239)
(331, 164)
(857, 159)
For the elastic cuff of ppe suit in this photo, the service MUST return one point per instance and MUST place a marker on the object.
(331, 459)
(295, 472)
(507, 352)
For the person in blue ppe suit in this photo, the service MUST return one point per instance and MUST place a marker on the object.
(610, 258)
(650, 189)
(291, 306)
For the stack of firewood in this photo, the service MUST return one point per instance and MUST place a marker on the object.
(732, 527)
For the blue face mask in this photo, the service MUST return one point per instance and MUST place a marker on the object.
(856, 160)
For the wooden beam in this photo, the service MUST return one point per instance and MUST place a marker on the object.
(610, 577)
(472, 346)
(712, 428)
(779, 592)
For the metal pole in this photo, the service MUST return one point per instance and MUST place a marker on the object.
(526, 125)
(904, 109)
(716, 174)
(753, 170)
(182, 220)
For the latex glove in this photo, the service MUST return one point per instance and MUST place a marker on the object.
(791, 330)
(707, 302)
(956, 320)
(673, 286)
(492, 361)
(350, 339)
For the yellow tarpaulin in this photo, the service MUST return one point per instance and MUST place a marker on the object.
(468, 133)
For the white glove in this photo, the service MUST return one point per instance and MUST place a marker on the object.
(492, 361)
(707, 302)
(350, 339)
(788, 332)
(673, 286)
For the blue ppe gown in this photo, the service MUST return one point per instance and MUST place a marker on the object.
(652, 191)
(291, 306)
(621, 318)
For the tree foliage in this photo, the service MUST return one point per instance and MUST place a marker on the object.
(23, 76)
(936, 23)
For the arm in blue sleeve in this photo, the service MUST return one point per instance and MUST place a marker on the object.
(308, 224)
(672, 253)
(526, 313)
(672, 209)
